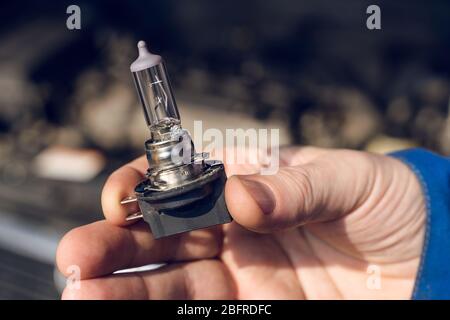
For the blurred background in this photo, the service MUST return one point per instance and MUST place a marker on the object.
(69, 114)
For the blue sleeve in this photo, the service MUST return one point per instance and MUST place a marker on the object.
(433, 172)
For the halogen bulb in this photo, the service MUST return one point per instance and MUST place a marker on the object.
(182, 191)
(155, 93)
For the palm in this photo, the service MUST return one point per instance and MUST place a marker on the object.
(296, 264)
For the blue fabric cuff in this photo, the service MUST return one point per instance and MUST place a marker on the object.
(433, 172)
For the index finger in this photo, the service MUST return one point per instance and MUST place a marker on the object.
(121, 184)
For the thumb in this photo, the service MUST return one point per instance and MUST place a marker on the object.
(317, 191)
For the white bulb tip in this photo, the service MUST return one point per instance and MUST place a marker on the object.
(141, 44)
(145, 59)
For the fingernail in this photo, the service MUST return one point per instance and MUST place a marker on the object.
(261, 193)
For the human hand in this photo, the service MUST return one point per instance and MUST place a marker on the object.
(308, 232)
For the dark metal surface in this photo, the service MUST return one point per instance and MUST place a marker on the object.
(191, 211)
(25, 278)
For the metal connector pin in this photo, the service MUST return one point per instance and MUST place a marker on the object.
(128, 200)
